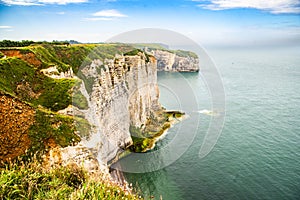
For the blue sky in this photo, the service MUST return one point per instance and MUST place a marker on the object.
(208, 22)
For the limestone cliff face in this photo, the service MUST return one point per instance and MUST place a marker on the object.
(123, 92)
(170, 61)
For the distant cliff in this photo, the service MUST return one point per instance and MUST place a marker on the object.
(172, 60)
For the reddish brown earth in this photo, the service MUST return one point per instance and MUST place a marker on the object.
(27, 57)
(15, 121)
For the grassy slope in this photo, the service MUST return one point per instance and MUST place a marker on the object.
(46, 95)
(33, 181)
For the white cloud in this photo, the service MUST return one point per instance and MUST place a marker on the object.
(61, 1)
(40, 2)
(273, 6)
(5, 27)
(98, 19)
(109, 13)
(105, 15)
(22, 2)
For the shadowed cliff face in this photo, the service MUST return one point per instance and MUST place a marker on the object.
(124, 92)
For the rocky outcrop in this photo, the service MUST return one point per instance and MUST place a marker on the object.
(172, 61)
(53, 72)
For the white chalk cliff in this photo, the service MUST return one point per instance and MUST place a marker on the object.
(123, 94)
(120, 92)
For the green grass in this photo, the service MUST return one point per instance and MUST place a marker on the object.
(82, 127)
(140, 141)
(79, 100)
(54, 94)
(46, 54)
(49, 125)
(185, 53)
(135, 52)
(33, 181)
(74, 55)
(145, 137)
(22, 80)
(57, 93)
(155, 46)
(14, 71)
(151, 46)
(82, 54)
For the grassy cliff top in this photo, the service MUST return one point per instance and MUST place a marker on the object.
(158, 46)
(64, 56)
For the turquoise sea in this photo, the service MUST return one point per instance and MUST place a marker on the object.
(258, 153)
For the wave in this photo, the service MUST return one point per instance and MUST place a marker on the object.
(207, 112)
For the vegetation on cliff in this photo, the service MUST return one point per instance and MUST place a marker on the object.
(25, 43)
(155, 46)
(144, 138)
(137, 52)
(34, 181)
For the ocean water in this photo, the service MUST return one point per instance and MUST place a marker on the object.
(258, 153)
